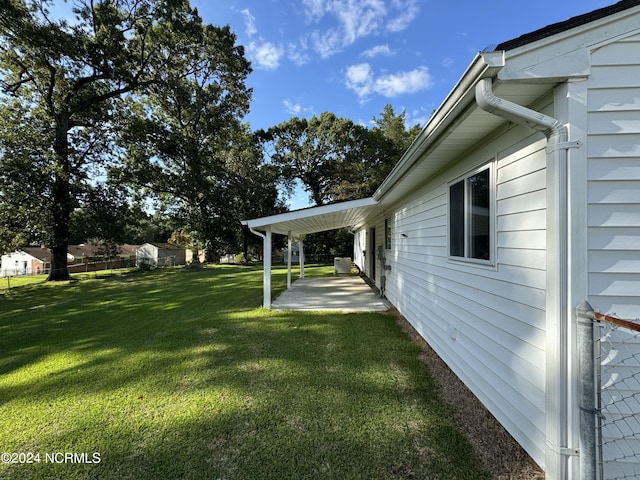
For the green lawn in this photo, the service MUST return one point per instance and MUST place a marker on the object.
(180, 375)
(7, 283)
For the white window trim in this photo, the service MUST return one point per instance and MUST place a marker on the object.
(492, 262)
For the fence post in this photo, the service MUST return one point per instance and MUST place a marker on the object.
(586, 391)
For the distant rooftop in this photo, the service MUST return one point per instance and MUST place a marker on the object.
(567, 24)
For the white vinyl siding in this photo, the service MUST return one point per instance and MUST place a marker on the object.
(614, 225)
(614, 178)
(486, 321)
(365, 253)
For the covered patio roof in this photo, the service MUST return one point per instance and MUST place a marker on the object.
(351, 214)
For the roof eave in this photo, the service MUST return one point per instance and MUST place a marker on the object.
(279, 221)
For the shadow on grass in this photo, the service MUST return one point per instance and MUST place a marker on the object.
(174, 375)
(112, 313)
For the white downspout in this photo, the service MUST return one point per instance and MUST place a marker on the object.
(266, 259)
(557, 323)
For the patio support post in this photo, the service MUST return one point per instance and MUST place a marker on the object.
(266, 302)
(289, 242)
(301, 258)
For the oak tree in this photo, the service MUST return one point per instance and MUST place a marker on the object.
(67, 75)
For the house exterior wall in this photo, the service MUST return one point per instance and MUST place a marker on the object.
(157, 255)
(20, 263)
(148, 253)
(37, 266)
(613, 191)
(486, 322)
(368, 245)
(614, 178)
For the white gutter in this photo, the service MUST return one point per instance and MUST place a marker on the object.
(557, 335)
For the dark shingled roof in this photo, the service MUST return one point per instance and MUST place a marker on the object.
(567, 24)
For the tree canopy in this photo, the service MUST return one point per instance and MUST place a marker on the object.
(334, 158)
(178, 135)
(67, 80)
(132, 99)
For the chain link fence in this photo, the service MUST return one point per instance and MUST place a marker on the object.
(618, 397)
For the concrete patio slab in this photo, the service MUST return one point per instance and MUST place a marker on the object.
(340, 293)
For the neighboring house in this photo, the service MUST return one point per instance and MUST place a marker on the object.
(79, 252)
(519, 200)
(35, 260)
(28, 261)
(295, 253)
(162, 254)
(127, 250)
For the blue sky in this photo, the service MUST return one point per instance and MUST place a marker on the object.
(352, 57)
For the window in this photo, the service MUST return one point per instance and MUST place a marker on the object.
(387, 234)
(470, 224)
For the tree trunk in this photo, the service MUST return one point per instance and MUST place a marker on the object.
(59, 270)
(62, 203)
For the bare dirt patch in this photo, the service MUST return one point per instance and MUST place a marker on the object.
(496, 449)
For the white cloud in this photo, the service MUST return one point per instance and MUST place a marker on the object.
(265, 55)
(315, 9)
(297, 53)
(296, 109)
(417, 117)
(408, 12)
(292, 108)
(377, 51)
(403, 82)
(362, 80)
(447, 62)
(327, 43)
(360, 18)
(356, 19)
(249, 22)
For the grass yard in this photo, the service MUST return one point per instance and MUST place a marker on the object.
(7, 283)
(172, 374)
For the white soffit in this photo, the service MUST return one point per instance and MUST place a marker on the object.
(350, 214)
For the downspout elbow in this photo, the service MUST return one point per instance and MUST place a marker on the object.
(513, 112)
(255, 232)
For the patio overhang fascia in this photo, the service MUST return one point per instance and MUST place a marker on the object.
(350, 214)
